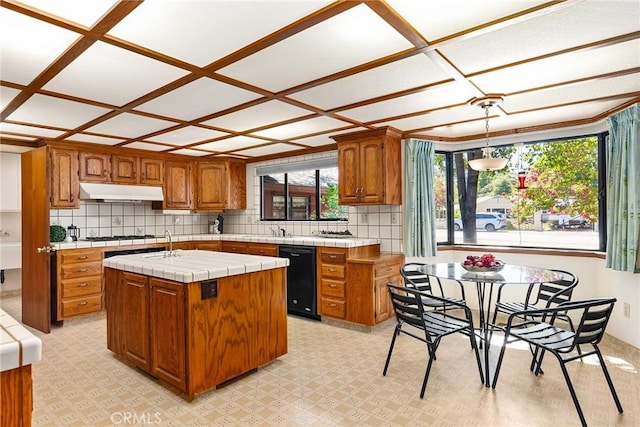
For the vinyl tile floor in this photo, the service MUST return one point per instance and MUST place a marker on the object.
(331, 376)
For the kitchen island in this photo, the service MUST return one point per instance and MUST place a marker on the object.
(198, 319)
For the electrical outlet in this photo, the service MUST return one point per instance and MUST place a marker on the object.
(394, 219)
(627, 309)
(364, 218)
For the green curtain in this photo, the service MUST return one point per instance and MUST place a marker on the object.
(419, 206)
(623, 190)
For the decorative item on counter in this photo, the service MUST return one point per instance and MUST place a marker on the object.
(73, 232)
(57, 233)
(486, 263)
(220, 220)
(346, 234)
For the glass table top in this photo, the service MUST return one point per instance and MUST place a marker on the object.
(509, 274)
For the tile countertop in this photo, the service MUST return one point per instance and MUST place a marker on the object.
(18, 346)
(256, 238)
(193, 266)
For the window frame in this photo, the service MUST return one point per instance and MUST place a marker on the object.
(602, 142)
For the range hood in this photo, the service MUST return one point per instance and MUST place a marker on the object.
(119, 193)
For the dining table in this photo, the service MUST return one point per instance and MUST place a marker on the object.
(509, 274)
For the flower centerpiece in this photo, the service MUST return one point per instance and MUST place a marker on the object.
(482, 264)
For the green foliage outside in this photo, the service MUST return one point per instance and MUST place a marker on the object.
(330, 206)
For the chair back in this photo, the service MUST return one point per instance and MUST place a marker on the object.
(593, 322)
(414, 278)
(558, 291)
(407, 305)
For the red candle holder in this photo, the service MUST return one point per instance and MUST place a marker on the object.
(522, 176)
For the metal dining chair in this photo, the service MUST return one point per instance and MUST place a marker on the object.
(544, 335)
(428, 326)
(417, 279)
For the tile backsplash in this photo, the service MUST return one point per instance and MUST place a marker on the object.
(127, 218)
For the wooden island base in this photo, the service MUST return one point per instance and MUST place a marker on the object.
(197, 336)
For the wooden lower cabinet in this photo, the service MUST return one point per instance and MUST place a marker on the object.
(250, 248)
(214, 245)
(192, 339)
(16, 389)
(332, 275)
(367, 297)
(79, 282)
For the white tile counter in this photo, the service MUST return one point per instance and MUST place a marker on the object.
(256, 238)
(193, 266)
(18, 346)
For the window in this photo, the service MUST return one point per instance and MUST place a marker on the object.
(560, 208)
(301, 195)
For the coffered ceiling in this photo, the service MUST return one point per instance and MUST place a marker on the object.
(264, 78)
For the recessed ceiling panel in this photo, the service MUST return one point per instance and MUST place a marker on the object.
(79, 137)
(187, 135)
(50, 111)
(572, 93)
(6, 95)
(197, 99)
(28, 130)
(128, 125)
(558, 69)
(317, 141)
(81, 11)
(204, 31)
(266, 150)
(303, 127)
(123, 75)
(544, 34)
(438, 97)
(257, 116)
(412, 72)
(433, 119)
(147, 146)
(233, 143)
(440, 18)
(29, 46)
(187, 152)
(351, 38)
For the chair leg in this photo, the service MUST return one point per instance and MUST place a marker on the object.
(499, 364)
(393, 341)
(474, 346)
(426, 376)
(608, 378)
(571, 390)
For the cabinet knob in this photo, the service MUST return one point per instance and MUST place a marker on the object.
(333, 256)
(82, 270)
(82, 257)
(333, 285)
(82, 285)
(82, 303)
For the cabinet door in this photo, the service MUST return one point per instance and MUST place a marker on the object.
(177, 185)
(371, 172)
(348, 173)
(167, 320)
(384, 308)
(95, 167)
(151, 171)
(124, 169)
(135, 316)
(212, 186)
(65, 188)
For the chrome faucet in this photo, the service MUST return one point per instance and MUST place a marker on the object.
(167, 232)
(274, 233)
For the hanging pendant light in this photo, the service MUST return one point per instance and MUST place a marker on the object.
(487, 162)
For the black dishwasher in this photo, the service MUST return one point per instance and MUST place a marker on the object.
(301, 280)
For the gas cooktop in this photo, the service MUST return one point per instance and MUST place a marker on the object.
(127, 237)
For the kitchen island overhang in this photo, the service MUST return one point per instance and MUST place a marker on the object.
(199, 319)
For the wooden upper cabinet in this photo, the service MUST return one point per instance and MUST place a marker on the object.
(95, 167)
(220, 185)
(369, 167)
(124, 169)
(151, 171)
(63, 170)
(177, 188)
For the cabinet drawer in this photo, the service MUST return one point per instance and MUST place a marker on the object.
(333, 271)
(76, 256)
(264, 250)
(79, 287)
(333, 257)
(383, 270)
(332, 288)
(78, 306)
(84, 269)
(239, 248)
(333, 308)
